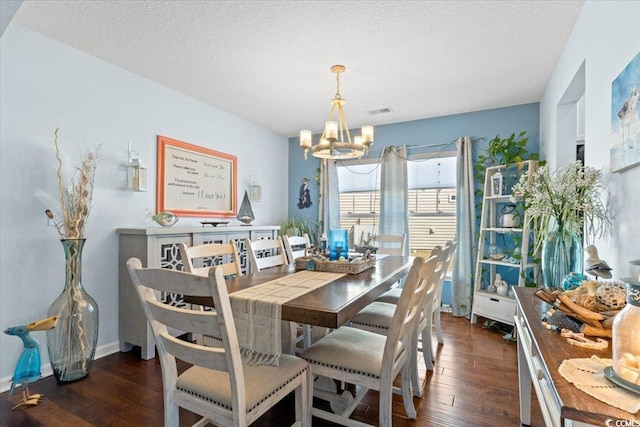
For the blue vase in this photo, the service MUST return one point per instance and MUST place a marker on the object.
(561, 255)
(338, 244)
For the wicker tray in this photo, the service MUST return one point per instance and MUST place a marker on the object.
(356, 267)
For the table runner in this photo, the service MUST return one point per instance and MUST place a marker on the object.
(257, 312)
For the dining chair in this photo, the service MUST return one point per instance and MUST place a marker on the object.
(391, 244)
(445, 256)
(296, 246)
(219, 386)
(378, 317)
(206, 256)
(269, 253)
(370, 360)
(265, 253)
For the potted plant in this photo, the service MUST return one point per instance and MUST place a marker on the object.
(298, 226)
(504, 151)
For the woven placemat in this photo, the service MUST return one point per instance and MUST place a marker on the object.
(588, 376)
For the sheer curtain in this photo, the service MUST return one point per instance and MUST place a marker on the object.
(329, 203)
(462, 275)
(394, 217)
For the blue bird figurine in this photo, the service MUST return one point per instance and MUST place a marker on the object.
(28, 367)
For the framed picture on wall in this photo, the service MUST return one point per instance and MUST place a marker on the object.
(625, 123)
(195, 181)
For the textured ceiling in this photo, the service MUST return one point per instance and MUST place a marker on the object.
(268, 61)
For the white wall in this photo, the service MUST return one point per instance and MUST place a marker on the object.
(605, 38)
(45, 84)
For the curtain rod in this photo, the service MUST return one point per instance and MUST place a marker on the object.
(443, 143)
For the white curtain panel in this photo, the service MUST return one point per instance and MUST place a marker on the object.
(329, 206)
(394, 213)
(462, 275)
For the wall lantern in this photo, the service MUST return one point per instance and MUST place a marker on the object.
(255, 189)
(136, 172)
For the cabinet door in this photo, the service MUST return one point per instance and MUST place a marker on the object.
(168, 256)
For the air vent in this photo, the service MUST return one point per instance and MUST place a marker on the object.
(380, 111)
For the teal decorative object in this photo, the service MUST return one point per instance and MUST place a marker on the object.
(573, 281)
(28, 367)
(72, 345)
(561, 255)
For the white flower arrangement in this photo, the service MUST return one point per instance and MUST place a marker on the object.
(571, 196)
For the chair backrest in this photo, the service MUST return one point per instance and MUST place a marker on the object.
(220, 324)
(391, 244)
(208, 255)
(418, 287)
(296, 246)
(445, 255)
(265, 253)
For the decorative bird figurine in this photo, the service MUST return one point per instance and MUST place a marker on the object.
(594, 265)
(28, 367)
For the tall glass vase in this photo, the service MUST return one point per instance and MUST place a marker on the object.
(72, 343)
(561, 255)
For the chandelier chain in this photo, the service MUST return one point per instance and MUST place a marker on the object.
(338, 86)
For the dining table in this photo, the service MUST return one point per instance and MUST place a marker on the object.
(333, 304)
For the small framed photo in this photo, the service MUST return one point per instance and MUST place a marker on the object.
(496, 184)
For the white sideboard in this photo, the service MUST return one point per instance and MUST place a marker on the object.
(158, 247)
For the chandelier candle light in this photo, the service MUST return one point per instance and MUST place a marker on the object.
(333, 144)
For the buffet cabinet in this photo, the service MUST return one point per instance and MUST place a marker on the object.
(158, 247)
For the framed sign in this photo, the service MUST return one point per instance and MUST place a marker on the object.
(195, 181)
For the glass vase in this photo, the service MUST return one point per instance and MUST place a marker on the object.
(72, 343)
(561, 255)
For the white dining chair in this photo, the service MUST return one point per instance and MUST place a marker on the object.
(219, 386)
(296, 246)
(378, 317)
(445, 255)
(269, 253)
(391, 244)
(205, 256)
(265, 253)
(370, 360)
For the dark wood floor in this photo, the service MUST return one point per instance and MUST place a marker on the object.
(475, 383)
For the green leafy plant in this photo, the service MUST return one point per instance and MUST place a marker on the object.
(504, 151)
(298, 226)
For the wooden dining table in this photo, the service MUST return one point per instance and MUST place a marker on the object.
(333, 304)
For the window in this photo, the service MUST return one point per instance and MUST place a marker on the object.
(432, 205)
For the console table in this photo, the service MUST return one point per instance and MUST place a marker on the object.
(158, 247)
(540, 353)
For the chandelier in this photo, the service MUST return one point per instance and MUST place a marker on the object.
(333, 144)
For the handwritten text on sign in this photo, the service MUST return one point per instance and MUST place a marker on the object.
(195, 181)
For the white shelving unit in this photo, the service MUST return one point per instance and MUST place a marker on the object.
(485, 303)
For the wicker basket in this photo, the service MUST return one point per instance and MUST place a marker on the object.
(319, 264)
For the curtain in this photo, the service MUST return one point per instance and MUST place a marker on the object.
(462, 275)
(394, 216)
(329, 204)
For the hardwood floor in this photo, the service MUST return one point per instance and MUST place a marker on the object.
(475, 383)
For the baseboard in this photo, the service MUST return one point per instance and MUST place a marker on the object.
(47, 371)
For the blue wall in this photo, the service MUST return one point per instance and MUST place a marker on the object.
(486, 124)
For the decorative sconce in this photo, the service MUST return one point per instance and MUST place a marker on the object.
(255, 189)
(136, 172)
